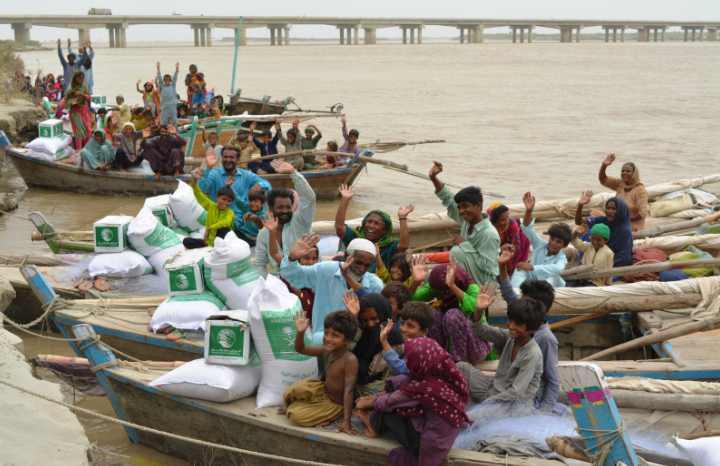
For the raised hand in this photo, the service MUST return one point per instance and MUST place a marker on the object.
(436, 169)
(351, 302)
(177, 66)
(269, 222)
(69, 42)
(529, 201)
(198, 173)
(507, 252)
(585, 198)
(158, 66)
(139, 81)
(346, 265)
(385, 331)
(301, 321)
(344, 121)
(304, 246)
(405, 211)
(229, 182)
(147, 132)
(172, 130)
(485, 297)
(581, 230)
(59, 42)
(253, 125)
(346, 191)
(420, 269)
(609, 160)
(451, 272)
(282, 167)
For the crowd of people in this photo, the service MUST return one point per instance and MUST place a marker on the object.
(397, 340)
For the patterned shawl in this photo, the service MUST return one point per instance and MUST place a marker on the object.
(386, 239)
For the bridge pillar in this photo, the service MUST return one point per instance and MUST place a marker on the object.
(419, 35)
(702, 31)
(577, 37)
(83, 35)
(462, 35)
(208, 32)
(404, 30)
(642, 34)
(272, 36)
(202, 37)
(111, 37)
(370, 36)
(712, 34)
(123, 39)
(664, 30)
(622, 34)
(530, 34)
(279, 36)
(412, 35)
(243, 36)
(565, 33)
(471, 35)
(197, 38)
(22, 31)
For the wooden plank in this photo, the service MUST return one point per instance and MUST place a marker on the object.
(649, 320)
(587, 272)
(596, 413)
(38, 284)
(664, 401)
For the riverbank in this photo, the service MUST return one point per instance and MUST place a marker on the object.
(19, 119)
(40, 432)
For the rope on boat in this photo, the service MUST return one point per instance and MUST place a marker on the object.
(605, 441)
(15, 215)
(166, 434)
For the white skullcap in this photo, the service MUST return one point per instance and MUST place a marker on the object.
(362, 244)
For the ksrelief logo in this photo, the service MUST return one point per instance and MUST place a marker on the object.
(288, 332)
(226, 338)
(107, 235)
(182, 282)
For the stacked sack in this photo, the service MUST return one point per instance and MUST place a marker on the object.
(114, 259)
(229, 273)
(153, 240)
(189, 215)
(51, 149)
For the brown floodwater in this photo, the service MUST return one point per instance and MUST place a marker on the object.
(516, 117)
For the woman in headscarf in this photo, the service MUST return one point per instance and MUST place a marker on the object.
(617, 217)
(375, 311)
(51, 89)
(127, 155)
(457, 293)
(77, 103)
(151, 98)
(97, 153)
(424, 410)
(111, 129)
(190, 81)
(510, 233)
(377, 226)
(628, 188)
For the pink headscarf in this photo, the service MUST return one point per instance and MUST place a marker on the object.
(438, 385)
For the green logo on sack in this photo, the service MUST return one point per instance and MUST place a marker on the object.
(280, 330)
(182, 279)
(162, 238)
(45, 132)
(205, 296)
(226, 341)
(241, 267)
(106, 237)
(202, 218)
(226, 338)
(162, 215)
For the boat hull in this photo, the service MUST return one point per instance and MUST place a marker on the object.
(61, 177)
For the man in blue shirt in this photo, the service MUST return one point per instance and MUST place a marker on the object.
(327, 279)
(70, 66)
(241, 181)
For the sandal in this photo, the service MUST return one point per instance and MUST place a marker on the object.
(86, 285)
(101, 284)
(175, 335)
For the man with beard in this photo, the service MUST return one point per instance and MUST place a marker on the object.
(291, 226)
(326, 278)
(71, 65)
(241, 181)
(165, 152)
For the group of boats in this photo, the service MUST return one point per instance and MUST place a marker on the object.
(587, 321)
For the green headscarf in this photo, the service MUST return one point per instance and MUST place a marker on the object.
(74, 87)
(386, 239)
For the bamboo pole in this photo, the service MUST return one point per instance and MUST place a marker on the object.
(432, 245)
(304, 153)
(664, 401)
(659, 230)
(404, 169)
(577, 319)
(152, 300)
(707, 433)
(658, 337)
(585, 272)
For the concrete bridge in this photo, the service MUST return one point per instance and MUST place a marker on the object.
(470, 30)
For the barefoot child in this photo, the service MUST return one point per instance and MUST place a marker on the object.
(220, 218)
(424, 409)
(596, 252)
(548, 259)
(521, 363)
(313, 402)
(397, 294)
(417, 319)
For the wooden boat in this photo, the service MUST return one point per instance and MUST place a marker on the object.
(59, 176)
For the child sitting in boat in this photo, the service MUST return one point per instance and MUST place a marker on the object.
(548, 259)
(424, 409)
(291, 142)
(350, 146)
(268, 146)
(212, 149)
(521, 364)
(331, 161)
(254, 209)
(397, 294)
(213, 111)
(313, 402)
(398, 269)
(417, 320)
(541, 291)
(596, 252)
(220, 218)
(246, 146)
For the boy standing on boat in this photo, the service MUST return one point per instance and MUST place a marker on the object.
(350, 146)
(313, 402)
(268, 146)
(292, 144)
(310, 142)
(168, 96)
(212, 149)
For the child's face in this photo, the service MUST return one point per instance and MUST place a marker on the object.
(518, 331)
(291, 138)
(98, 138)
(597, 241)
(395, 310)
(266, 139)
(212, 139)
(243, 143)
(410, 328)
(334, 340)
(370, 319)
(311, 259)
(555, 245)
(329, 149)
(352, 138)
(309, 134)
(396, 273)
(167, 80)
(213, 102)
(256, 205)
(223, 202)
(102, 114)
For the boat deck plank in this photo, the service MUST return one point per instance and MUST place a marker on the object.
(695, 347)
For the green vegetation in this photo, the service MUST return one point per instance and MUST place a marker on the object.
(10, 62)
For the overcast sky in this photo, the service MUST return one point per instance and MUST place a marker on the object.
(690, 10)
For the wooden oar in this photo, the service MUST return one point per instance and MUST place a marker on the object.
(382, 147)
(663, 335)
(405, 169)
(584, 272)
(659, 230)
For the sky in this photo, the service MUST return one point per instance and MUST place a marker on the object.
(690, 10)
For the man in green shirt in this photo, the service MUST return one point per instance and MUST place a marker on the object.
(310, 142)
(478, 247)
